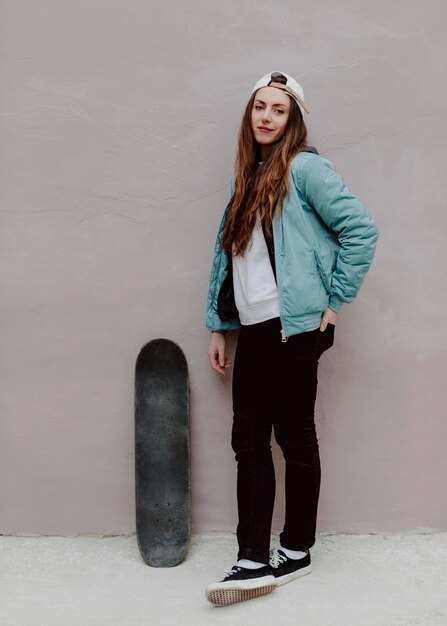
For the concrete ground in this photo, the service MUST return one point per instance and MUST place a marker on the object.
(383, 580)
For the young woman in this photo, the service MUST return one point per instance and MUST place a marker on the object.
(293, 246)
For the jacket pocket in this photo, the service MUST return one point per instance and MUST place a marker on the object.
(324, 277)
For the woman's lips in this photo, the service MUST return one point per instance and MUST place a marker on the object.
(265, 130)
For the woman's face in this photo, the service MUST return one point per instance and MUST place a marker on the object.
(269, 115)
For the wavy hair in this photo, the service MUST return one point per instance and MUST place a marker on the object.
(264, 186)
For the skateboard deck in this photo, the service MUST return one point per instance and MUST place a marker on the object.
(162, 453)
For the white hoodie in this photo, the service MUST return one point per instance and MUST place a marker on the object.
(255, 289)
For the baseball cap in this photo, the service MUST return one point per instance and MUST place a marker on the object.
(287, 83)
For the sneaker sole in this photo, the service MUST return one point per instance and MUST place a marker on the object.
(231, 594)
(286, 578)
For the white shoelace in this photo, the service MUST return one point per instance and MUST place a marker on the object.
(276, 558)
(233, 570)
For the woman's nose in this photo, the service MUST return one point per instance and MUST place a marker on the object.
(266, 115)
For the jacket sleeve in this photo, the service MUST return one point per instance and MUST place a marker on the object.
(217, 274)
(325, 191)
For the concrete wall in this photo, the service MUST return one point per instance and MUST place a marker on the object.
(119, 124)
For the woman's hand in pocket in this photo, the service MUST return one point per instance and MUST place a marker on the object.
(329, 317)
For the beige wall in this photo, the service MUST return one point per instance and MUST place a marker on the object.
(119, 123)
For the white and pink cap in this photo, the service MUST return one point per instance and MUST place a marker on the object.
(283, 81)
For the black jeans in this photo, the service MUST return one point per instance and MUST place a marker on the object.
(275, 385)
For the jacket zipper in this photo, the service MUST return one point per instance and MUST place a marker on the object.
(284, 337)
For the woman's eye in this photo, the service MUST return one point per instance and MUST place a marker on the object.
(279, 111)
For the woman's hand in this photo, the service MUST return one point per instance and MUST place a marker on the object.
(329, 316)
(216, 353)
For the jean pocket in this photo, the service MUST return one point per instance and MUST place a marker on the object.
(325, 338)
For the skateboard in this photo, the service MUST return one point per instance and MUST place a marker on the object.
(162, 453)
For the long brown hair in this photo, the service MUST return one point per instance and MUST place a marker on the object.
(262, 186)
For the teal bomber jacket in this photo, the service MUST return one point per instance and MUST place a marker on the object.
(324, 242)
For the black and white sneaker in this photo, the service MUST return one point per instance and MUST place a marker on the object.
(286, 569)
(241, 584)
